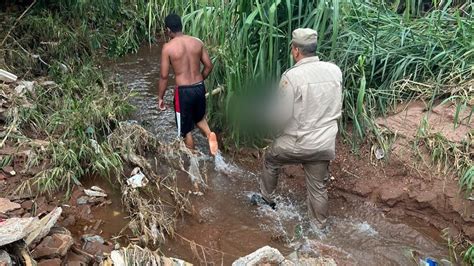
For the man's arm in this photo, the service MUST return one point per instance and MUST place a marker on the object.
(164, 72)
(206, 61)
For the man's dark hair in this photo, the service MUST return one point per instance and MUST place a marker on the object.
(307, 50)
(173, 22)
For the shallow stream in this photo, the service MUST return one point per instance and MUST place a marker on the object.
(228, 226)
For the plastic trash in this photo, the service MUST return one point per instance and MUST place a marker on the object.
(7, 76)
(428, 262)
(138, 179)
(93, 193)
(379, 153)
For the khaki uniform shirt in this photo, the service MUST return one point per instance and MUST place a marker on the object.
(310, 104)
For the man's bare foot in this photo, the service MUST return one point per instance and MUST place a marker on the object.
(213, 146)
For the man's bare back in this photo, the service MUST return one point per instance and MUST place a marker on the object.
(185, 54)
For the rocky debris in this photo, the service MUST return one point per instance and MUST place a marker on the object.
(56, 245)
(50, 262)
(14, 229)
(93, 238)
(82, 200)
(308, 254)
(136, 255)
(6, 205)
(42, 228)
(264, 255)
(5, 259)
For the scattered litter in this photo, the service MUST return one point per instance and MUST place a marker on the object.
(7, 76)
(379, 153)
(93, 193)
(138, 179)
(96, 188)
(95, 146)
(6, 205)
(93, 238)
(24, 86)
(471, 198)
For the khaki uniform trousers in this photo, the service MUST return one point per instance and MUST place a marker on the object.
(316, 175)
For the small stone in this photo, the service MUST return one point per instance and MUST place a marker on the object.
(5, 258)
(93, 238)
(9, 170)
(27, 204)
(263, 255)
(50, 262)
(6, 205)
(55, 245)
(82, 200)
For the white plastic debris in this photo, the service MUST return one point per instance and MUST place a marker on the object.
(117, 258)
(379, 153)
(96, 188)
(93, 193)
(95, 145)
(138, 179)
(7, 76)
(24, 86)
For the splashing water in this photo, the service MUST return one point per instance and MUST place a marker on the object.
(224, 167)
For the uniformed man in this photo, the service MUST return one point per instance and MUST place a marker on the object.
(310, 95)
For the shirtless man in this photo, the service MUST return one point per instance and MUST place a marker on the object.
(185, 54)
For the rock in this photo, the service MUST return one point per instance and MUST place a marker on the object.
(27, 204)
(69, 221)
(263, 255)
(9, 170)
(93, 193)
(97, 249)
(7, 76)
(14, 229)
(56, 245)
(6, 205)
(42, 227)
(93, 238)
(73, 258)
(82, 200)
(50, 262)
(5, 259)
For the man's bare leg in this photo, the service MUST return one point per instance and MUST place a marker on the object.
(188, 141)
(211, 136)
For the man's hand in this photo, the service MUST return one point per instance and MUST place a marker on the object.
(161, 104)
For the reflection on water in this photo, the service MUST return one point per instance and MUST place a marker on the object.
(225, 220)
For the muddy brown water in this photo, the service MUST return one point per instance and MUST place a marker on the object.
(227, 226)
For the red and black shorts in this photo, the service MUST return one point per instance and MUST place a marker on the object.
(189, 106)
